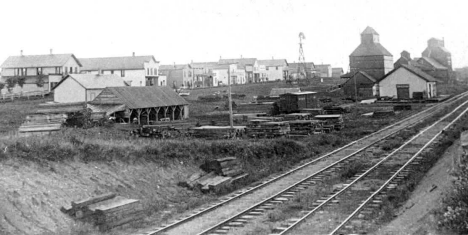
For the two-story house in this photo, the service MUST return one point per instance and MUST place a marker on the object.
(249, 65)
(203, 74)
(222, 72)
(177, 75)
(135, 70)
(272, 70)
(37, 72)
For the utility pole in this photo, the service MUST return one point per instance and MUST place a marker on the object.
(229, 97)
(355, 88)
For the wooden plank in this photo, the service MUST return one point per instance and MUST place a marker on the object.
(115, 205)
(93, 200)
(128, 219)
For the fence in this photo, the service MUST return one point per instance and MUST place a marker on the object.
(28, 95)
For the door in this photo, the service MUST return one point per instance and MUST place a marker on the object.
(402, 91)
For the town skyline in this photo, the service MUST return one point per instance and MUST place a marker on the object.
(203, 31)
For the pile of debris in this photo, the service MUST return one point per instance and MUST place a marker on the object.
(216, 175)
(106, 211)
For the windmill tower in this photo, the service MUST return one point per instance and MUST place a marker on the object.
(301, 68)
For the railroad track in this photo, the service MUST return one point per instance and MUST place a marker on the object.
(390, 173)
(246, 204)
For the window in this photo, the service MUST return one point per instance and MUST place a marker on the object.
(71, 69)
(66, 70)
(122, 73)
(266, 68)
(276, 67)
(76, 69)
(112, 71)
(39, 71)
(147, 71)
(58, 70)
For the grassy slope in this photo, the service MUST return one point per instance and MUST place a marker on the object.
(12, 114)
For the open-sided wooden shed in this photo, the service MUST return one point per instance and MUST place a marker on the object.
(145, 105)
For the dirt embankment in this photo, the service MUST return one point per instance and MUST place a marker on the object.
(417, 215)
(31, 195)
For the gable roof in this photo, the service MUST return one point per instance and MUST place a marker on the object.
(370, 49)
(433, 63)
(239, 61)
(173, 66)
(35, 61)
(293, 66)
(415, 71)
(276, 92)
(140, 97)
(369, 30)
(95, 81)
(351, 75)
(273, 63)
(196, 65)
(115, 63)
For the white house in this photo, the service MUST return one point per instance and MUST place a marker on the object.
(403, 81)
(135, 70)
(248, 65)
(39, 72)
(84, 87)
(272, 70)
(220, 74)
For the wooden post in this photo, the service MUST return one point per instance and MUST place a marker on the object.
(165, 111)
(173, 112)
(148, 111)
(139, 115)
(157, 113)
(229, 98)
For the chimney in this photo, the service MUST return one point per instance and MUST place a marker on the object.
(219, 57)
(21, 52)
(272, 58)
(133, 53)
(241, 56)
(51, 51)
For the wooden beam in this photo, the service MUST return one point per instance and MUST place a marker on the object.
(139, 115)
(157, 113)
(173, 112)
(148, 111)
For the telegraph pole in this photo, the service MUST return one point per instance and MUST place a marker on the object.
(229, 98)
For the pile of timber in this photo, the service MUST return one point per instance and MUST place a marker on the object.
(304, 127)
(268, 129)
(383, 113)
(217, 132)
(48, 108)
(38, 124)
(106, 211)
(255, 107)
(216, 175)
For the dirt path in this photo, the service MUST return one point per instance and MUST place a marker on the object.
(416, 216)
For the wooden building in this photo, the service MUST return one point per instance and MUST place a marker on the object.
(296, 101)
(359, 82)
(408, 82)
(84, 87)
(143, 105)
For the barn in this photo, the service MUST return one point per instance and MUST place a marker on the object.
(360, 82)
(144, 105)
(84, 87)
(408, 82)
(296, 101)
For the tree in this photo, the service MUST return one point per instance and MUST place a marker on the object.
(11, 83)
(2, 85)
(40, 80)
(21, 81)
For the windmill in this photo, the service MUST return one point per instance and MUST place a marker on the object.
(301, 68)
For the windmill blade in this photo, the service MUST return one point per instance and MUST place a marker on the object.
(301, 35)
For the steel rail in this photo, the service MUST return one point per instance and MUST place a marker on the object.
(220, 224)
(241, 193)
(379, 190)
(300, 220)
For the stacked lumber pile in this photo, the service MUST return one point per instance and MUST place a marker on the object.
(217, 132)
(42, 123)
(268, 129)
(303, 127)
(61, 107)
(106, 211)
(216, 175)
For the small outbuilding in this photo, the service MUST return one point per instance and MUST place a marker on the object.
(296, 101)
(361, 83)
(143, 105)
(84, 87)
(408, 82)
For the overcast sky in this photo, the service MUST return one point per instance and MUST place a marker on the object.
(202, 31)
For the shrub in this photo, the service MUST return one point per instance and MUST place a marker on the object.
(21, 81)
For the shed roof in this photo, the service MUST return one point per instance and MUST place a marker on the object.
(273, 63)
(370, 49)
(433, 63)
(301, 93)
(416, 71)
(173, 66)
(240, 61)
(140, 97)
(280, 91)
(35, 61)
(109, 63)
(95, 81)
(369, 30)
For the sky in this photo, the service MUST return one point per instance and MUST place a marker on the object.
(181, 31)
